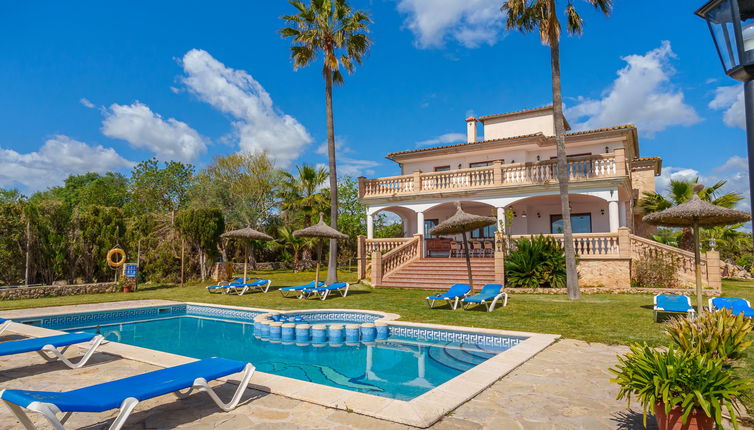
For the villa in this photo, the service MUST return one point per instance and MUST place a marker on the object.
(511, 173)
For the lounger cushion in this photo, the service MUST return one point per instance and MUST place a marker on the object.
(302, 287)
(742, 308)
(489, 292)
(110, 395)
(3, 320)
(37, 343)
(673, 303)
(457, 290)
(728, 302)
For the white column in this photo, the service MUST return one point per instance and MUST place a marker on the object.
(612, 212)
(370, 226)
(622, 214)
(420, 222)
(501, 220)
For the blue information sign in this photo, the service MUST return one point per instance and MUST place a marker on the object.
(130, 270)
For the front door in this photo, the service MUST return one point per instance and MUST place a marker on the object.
(580, 223)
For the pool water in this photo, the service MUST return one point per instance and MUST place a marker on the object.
(399, 369)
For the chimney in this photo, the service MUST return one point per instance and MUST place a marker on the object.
(470, 129)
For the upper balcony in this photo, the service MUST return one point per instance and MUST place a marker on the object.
(495, 176)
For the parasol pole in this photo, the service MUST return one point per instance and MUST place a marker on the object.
(468, 259)
(245, 261)
(319, 260)
(697, 268)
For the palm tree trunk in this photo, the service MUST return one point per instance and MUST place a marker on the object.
(332, 264)
(572, 280)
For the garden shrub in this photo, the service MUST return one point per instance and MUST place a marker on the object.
(535, 263)
(654, 271)
(717, 335)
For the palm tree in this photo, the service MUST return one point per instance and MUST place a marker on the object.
(681, 190)
(303, 195)
(332, 28)
(526, 16)
(288, 241)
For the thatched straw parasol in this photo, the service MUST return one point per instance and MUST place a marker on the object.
(463, 222)
(696, 213)
(246, 234)
(322, 231)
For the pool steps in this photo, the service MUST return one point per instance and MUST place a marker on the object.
(289, 330)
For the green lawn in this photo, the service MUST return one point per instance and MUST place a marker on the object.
(606, 318)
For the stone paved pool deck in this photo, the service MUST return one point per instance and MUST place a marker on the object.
(566, 386)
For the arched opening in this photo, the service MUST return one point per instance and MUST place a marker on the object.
(543, 215)
(482, 240)
(394, 221)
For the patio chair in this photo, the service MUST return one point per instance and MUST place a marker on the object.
(295, 291)
(323, 292)
(50, 344)
(4, 324)
(489, 248)
(124, 394)
(737, 306)
(455, 249)
(673, 303)
(262, 285)
(488, 297)
(223, 287)
(476, 248)
(452, 296)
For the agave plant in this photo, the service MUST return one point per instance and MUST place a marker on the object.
(717, 335)
(539, 262)
(678, 378)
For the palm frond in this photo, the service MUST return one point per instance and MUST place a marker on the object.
(604, 6)
(575, 22)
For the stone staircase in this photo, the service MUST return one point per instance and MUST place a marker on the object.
(440, 273)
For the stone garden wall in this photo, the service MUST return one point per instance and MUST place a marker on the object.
(605, 273)
(34, 292)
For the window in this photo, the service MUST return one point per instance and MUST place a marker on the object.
(442, 168)
(480, 164)
(428, 224)
(580, 223)
(484, 232)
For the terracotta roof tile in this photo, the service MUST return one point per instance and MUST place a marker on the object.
(391, 155)
(518, 112)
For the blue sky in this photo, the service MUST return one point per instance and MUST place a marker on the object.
(92, 85)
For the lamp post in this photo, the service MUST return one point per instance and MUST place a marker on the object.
(731, 23)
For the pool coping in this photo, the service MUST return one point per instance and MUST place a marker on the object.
(422, 411)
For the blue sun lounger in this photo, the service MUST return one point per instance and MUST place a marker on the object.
(50, 344)
(452, 296)
(323, 292)
(673, 303)
(124, 394)
(262, 285)
(4, 324)
(737, 306)
(296, 290)
(488, 297)
(224, 287)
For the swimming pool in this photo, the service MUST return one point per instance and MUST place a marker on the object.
(402, 362)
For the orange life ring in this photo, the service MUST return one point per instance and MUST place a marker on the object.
(120, 262)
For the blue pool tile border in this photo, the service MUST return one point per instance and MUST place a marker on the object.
(455, 336)
(87, 319)
(313, 316)
(217, 312)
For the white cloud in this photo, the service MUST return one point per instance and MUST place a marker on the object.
(469, 22)
(85, 101)
(59, 157)
(731, 100)
(641, 95)
(735, 171)
(258, 125)
(170, 140)
(340, 147)
(443, 138)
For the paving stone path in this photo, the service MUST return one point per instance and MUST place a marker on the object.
(564, 387)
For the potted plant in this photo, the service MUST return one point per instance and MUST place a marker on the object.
(717, 334)
(685, 390)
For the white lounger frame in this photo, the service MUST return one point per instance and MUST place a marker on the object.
(323, 295)
(4, 326)
(50, 411)
(490, 305)
(58, 354)
(691, 313)
(452, 302)
(262, 287)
